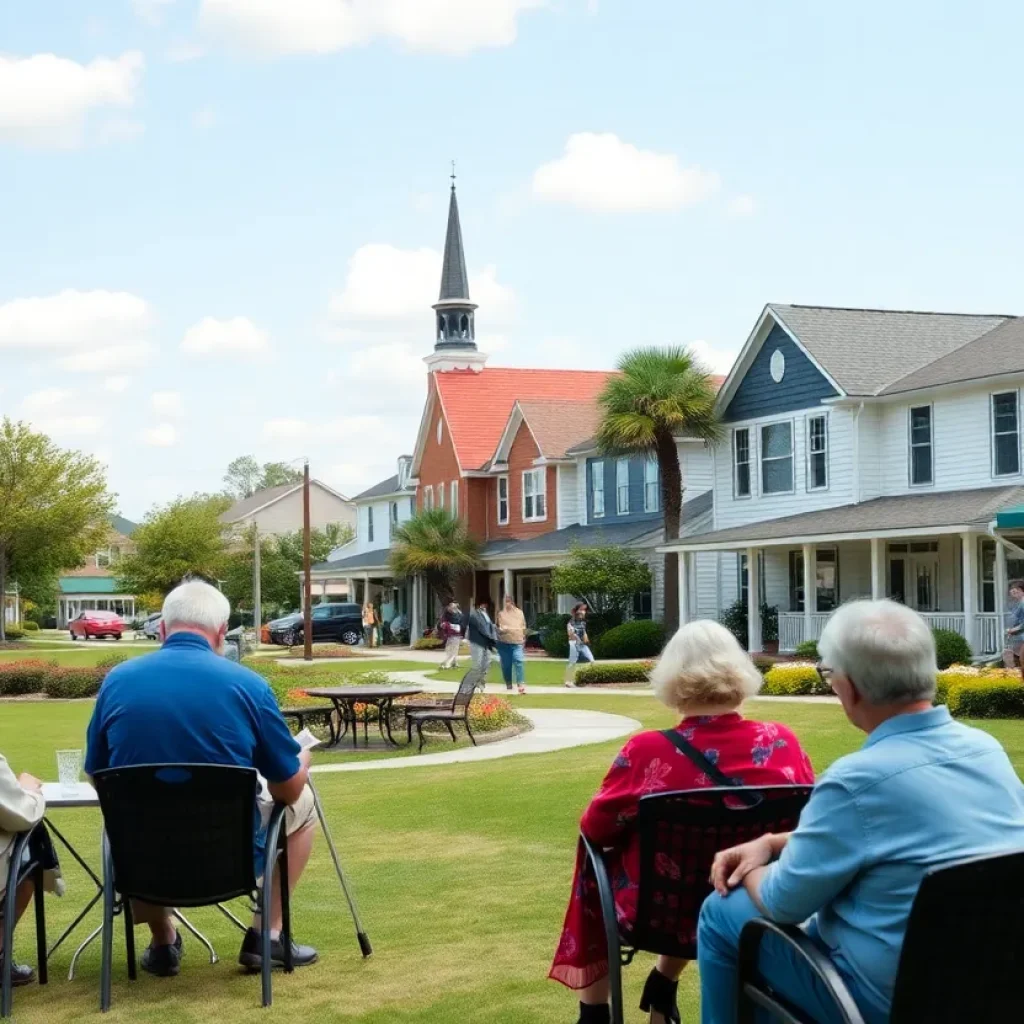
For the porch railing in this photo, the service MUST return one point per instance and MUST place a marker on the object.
(987, 640)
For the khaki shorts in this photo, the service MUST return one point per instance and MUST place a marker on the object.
(300, 815)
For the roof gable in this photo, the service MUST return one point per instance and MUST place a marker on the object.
(269, 496)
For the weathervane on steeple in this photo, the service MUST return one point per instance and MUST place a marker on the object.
(453, 175)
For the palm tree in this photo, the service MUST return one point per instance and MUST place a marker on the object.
(658, 395)
(436, 544)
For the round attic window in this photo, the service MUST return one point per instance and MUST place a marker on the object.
(439, 430)
(777, 366)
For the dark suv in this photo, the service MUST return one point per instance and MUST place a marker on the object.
(342, 623)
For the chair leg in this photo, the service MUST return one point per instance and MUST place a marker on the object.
(6, 987)
(469, 731)
(451, 731)
(40, 906)
(268, 888)
(408, 722)
(419, 730)
(129, 939)
(286, 905)
(107, 938)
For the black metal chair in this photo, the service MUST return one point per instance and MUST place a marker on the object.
(962, 956)
(182, 836)
(680, 833)
(455, 711)
(19, 870)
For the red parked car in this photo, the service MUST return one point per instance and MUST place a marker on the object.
(97, 624)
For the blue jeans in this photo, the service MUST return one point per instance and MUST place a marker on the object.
(718, 935)
(512, 661)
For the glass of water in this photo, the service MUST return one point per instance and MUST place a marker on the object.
(69, 770)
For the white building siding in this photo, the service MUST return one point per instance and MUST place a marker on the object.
(381, 531)
(285, 515)
(869, 448)
(569, 509)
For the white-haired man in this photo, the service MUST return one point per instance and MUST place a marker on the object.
(924, 790)
(185, 704)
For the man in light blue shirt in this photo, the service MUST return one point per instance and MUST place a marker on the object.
(923, 791)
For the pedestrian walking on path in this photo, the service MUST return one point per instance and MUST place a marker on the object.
(579, 642)
(451, 627)
(483, 638)
(512, 644)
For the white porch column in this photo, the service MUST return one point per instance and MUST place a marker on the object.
(969, 543)
(350, 584)
(753, 605)
(684, 587)
(810, 589)
(508, 582)
(1002, 585)
(877, 569)
(415, 622)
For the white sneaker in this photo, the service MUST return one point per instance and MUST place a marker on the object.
(570, 684)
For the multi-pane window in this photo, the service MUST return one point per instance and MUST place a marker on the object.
(817, 453)
(652, 486)
(622, 486)
(826, 574)
(502, 500)
(453, 502)
(392, 518)
(597, 487)
(534, 495)
(103, 558)
(741, 462)
(1005, 434)
(369, 522)
(777, 458)
(921, 471)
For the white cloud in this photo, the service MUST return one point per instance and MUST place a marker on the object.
(601, 172)
(237, 336)
(44, 99)
(151, 11)
(183, 51)
(54, 411)
(205, 118)
(387, 283)
(167, 403)
(326, 26)
(104, 359)
(116, 384)
(741, 206)
(45, 400)
(119, 129)
(717, 360)
(163, 435)
(72, 319)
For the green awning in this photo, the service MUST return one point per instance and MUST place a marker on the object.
(1011, 518)
(88, 585)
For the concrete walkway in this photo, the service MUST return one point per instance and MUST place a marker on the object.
(552, 730)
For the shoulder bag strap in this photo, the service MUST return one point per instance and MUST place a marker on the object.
(712, 771)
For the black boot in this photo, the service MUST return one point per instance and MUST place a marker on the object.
(593, 1013)
(659, 995)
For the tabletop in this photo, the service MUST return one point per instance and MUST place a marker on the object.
(56, 796)
(365, 692)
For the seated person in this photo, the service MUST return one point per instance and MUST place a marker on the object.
(923, 791)
(705, 675)
(21, 808)
(184, 704)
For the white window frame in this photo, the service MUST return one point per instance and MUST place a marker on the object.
(453, 497)
(369, 524)
(992, 430)
(537, 494)
(103, 559)
(652, 505)
(811, 486)
(777, 458)
(621, 490)
(440, 496)
(502, 499)
(910, 444)
(428, 498)
(748, 463)
(392, 518)
(597, 476)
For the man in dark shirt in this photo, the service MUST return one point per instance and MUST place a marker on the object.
(185, 704)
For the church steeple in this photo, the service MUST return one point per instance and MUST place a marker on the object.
(454, 313)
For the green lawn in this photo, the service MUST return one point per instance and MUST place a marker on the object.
(539, 672)
(462, 873)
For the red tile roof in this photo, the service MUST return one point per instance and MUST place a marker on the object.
(477, 404)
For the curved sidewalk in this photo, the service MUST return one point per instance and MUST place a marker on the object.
(552, 730)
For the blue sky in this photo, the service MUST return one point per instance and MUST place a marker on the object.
(221, 218)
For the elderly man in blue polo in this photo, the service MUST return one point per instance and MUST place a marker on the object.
(922, 791)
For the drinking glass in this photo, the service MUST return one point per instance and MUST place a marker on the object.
(69, 769)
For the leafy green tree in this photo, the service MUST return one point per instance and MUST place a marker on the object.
(277, 473)
(321, 543)
(54, 506)
(437, 545)
(182, 537)
(607, 578)
(245, 476)
(658, 395)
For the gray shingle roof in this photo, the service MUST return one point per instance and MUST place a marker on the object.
(865, 350)
(911, 512)
(454, 279)
(376, 559)
(389, 486)
(585, 536)
(242, 508)
(998, 352)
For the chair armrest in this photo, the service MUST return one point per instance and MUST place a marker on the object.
(611, 924)
(806, 950)
(15, 876)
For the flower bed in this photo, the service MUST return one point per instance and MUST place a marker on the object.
(59, 682)
(610, 675)
(793, 678)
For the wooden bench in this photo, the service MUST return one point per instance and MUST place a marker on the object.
(315, 713)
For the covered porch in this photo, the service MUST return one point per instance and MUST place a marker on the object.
(79, 593)
(954, 573)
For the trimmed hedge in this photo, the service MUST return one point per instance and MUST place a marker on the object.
(31, 676)
(29, 626)
(596, 675)
(69, 683)
(641, 638)
(20, 677)
(950, 649)
(794, 678)
(807, 650)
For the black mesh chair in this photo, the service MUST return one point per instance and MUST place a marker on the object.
(962, 954)
(21, 868)
(680, 833)
(456, 710)
(182, 836)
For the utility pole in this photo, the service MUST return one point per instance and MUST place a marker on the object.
(257, 583)
(307, 590)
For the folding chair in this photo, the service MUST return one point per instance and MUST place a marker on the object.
(20, 869)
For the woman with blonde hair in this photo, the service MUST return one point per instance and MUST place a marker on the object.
(704, 675)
